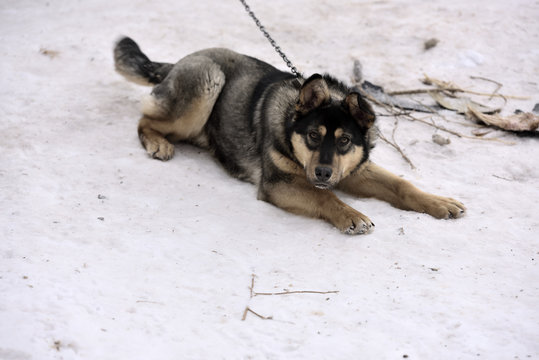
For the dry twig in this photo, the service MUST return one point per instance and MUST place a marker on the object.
(450, 87)
(397, 147)
(286, 292)
(452, 90)
(298, 292)
(251, 288)
(249, 310)
(253, 293)
(149, 302)
(441, 128)
(395, 113)
(501, 177)
(498, 85)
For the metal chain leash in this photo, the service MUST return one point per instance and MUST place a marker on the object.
(270, 39)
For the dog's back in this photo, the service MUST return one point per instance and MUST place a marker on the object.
(217, 93)
(235, 124)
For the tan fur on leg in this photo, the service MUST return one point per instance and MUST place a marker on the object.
(300, 197)
(374, 181)
(153, 141)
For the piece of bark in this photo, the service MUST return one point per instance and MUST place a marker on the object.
(516, 122)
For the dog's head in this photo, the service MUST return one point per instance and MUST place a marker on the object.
(330, 137)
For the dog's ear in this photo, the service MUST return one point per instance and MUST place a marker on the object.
(360, 110)
(313, 93)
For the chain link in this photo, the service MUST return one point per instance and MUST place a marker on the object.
(270, 39)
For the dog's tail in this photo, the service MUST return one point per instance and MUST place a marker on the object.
(137, 67)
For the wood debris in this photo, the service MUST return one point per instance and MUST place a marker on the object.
(461, 104)
(516, 122)
(449, 96)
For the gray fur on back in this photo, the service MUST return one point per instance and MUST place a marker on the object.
(235, 125)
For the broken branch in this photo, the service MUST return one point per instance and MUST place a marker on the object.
(298, 292)
(396, 146)
(249, 310)
(447, 86)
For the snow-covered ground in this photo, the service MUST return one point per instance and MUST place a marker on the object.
(108, 254)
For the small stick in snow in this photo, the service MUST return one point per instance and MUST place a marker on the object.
(444, 86)
(441, 128)
(393, 111)
(286, 292)
(450, 87)
(249, 310)
(252, 285)
(299, 292)
(498, 85)
(398, 148)
(501, 177)
(253, 293)
(452, 90)
(149, 302)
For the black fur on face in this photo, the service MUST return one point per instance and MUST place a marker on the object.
(331, 129)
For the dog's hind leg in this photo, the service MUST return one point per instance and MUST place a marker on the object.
(179, 107)
(153, 141)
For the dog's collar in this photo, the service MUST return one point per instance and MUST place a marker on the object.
(297, 83)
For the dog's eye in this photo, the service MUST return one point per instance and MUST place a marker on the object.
(314, 136)
(344, 140)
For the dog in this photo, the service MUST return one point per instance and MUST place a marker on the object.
(295, 138)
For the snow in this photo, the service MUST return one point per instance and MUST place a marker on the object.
(108, 254)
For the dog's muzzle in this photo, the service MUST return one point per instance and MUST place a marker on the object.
(323, 175)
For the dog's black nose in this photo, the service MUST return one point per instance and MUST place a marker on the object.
(323, 173)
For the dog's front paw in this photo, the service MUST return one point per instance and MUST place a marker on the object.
(352, 222)
(162, 150)
(444, 208)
